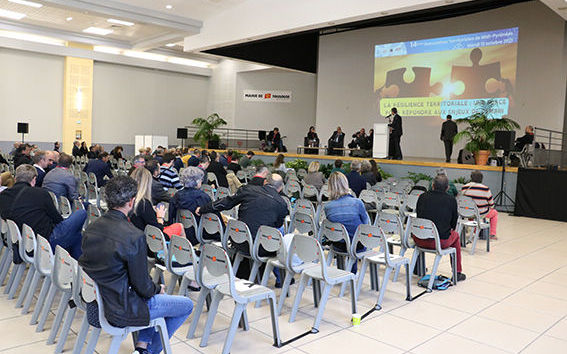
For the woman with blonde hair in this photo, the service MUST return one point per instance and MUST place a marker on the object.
(144, 213)
(314, 177)
(345, 209)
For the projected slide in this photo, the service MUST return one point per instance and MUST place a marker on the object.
(440, 76)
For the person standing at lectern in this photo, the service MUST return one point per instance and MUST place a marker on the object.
(396, 133)
(448, 131)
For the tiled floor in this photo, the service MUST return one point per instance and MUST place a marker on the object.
(514, 300)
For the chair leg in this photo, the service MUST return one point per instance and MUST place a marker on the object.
(348, 267)
(454, 266)
(285, 291)
(19, 273)
(5, 264)
(65, 330)
(93, 340)
(408, 283)
(81, 336)
(433, 272)
(115, 344)
(25, 287)
(171, 285)
(237, 260)
(316, 292)
(275, 326)
(397, 273)
(63, 304)
(31, 291)
(164, 336)
(353, 295)
(183, 286)
(41, 299)
(11, 278)
(197, 311)
(298, 295)
(254, 271)
(475, 239)
(265, 277)
(46, 307)
(323, 302)
(383, 286)
(361, 274)
(238, 310)
(414, 258)
(217, 297)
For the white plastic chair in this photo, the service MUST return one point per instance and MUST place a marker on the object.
(188, 220)
(208, 190)
(27, 253)
(43, 258)
(336, 232)
(65, 207)
(18, 269)
(395, 233)
(209, 226)
(181, 259)
(237, 232)
(302, 223)
(469, 218)
(155, 239)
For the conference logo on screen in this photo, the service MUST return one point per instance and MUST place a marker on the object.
(447, 75)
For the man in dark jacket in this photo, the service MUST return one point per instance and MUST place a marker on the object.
(25, 204)
(114, 256)
(355, 181)
(159, 193)
(22, 155)
(396, 133)
(216, 167)
(100, 167)
(448, 131)
(337, 140)
(40, 162)
(76, 149)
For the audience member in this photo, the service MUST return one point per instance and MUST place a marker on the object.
(367, 173)
(100, 168)
(203, 165)
(355, 181)
(144, 213)
(115, 258)
(245, 160)
(218, 170)
(40, 162)
(53, 157)
(193, 159)
(440, 207)
(345, 209)
(483, 198)
(168, 175)
(61, 180)
(223, 159)
(117, 152)
(34, 207)
(338, 167)
(15, 148)
(279, 164)
(233, 165)
(139, 161)
(274, 140)
(177, 162)
(314, 177)
(56, 146)
(452, 190)
(22, 155)
(84, 149)
(259, 179)
(76, 148)
(159, 193)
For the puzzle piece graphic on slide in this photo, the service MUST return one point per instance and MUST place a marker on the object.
(396, 85)
(479, 80)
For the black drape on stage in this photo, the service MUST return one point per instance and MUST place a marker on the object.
(541, 194)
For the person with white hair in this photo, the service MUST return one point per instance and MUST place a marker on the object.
(355, 180)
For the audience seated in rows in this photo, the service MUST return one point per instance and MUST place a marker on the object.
(25, 204)
(167, 173)
(100, 168)
(440, 207)
(314, 177)
(159, 192)
(370, 172)
(218, 170)
(144, 213)
(61, 180)
(355, 181)
(40, 162)
(483, 198)
(114, 256)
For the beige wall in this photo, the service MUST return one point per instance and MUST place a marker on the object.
(345, 79)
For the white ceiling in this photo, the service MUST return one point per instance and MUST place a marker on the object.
(559, 6)
(198, 9)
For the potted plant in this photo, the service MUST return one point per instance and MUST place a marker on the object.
(205, 130)
(481, 130)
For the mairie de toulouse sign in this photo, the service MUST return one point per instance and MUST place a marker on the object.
(267, 96)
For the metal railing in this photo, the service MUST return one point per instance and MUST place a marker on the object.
(551, 147)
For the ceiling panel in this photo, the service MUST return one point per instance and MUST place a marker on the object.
(197, 9)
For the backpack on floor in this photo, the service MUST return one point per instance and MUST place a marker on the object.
(441, 282)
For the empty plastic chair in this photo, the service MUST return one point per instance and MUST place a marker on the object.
(65, 207)
(372, 237)
(324, 193)
(311, 193)
(425, 229)
(393, 228)
(302, 223)
(271, 240)
(304, 206)
(155, 239)
(6, 259)
(237, 233)
(410, 205)
(214, 261)
(83, 293)
(242, 176)
(54, 199)
(309, 251)
(210, 228)
(182, 262)
(293, 189)
(27, 250)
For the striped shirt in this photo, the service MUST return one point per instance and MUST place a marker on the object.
(480, 194)
(169, 178)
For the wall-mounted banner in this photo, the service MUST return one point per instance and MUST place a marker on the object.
(266, 96)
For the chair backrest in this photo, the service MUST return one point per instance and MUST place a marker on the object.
(308, 250)
(92, 192)
(304, 206)
(381, 187)
(324, 193)
(214, 266)
(392, 225)
(28, 244)
(91, 179)
(211, 177)
(222, 192)
(237, 232)
(271, 240)
(83, 190)
(310, 191)
(155, 240)
(188, 220)
(467, 208)
(4, 232)
(181, 252)
(43, 256)
(104, 324)
(242, 176)
(423, 183)
(424, 229)
(371, 237)
(78, 205)
(86, 291)
(391, 200)
(210, 225)
(411, 202)
(334, 232)
(302, 223)
(54, 199)
(14, 232)
(369, 199)
(171, 192)
(94, 213)
(288, 203)
(208, 190)
(417, 192)
(64, 267)
(290, 174)
(65, 206)
(291, 187)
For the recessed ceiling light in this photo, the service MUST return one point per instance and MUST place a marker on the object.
(169, 7)
(27, 3)
(120, 22)
(97, 30)
(69, 19)
(11, 14)
(170, 45)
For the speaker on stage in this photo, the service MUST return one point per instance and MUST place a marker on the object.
(504, 140)
(23, 128)
(181, 133)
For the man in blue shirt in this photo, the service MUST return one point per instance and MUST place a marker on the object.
(355, 181)
(100, 168)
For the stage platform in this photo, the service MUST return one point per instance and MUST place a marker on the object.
(428, 166)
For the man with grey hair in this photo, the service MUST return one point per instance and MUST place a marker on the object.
(441, 208)
(259, 179)
(34, 207)
(189, 198)
(355, 181)
(452, 190)
(61, 180)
